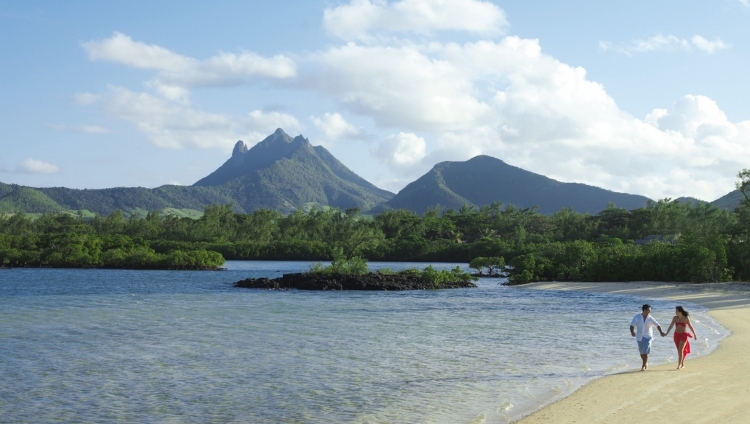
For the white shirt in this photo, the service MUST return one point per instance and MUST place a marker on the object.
(644, 328)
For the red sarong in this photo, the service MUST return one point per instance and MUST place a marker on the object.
(678, 337)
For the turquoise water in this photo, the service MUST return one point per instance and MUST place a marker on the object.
(180, 346)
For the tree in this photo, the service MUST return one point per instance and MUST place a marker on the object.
(743, 185)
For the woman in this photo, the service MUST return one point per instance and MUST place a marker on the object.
(681, 322)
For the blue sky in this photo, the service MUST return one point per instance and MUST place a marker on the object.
(642, 97)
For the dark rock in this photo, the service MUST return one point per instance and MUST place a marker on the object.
(371, 281)
(496, 275)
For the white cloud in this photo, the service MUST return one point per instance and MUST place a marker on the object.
(178, 73)
(82, 129)
(696, 117)
(172, 125)
(399, 86)
(33, 166)
(509, 100)
(504, 98)
(360, 18)
(401, 152)
(660, 42)
(269, 121)
(122, 49)
(709, 46)
(84, 98)
(90, 129)
(334, 126)
(167, 120)
(669, 43)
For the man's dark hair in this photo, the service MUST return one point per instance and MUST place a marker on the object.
(646, 306)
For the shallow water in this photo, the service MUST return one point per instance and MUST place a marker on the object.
(182, 346)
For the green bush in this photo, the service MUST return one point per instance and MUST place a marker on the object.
(492, 264)
(341, 265)
(435, 277)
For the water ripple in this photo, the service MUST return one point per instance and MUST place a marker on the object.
(157, 346)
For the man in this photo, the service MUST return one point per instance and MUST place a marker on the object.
(642, 328)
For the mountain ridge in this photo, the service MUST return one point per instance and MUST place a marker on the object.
(287, 173)
(280, 172)
(484, 179)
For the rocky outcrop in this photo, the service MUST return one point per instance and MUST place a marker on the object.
(286, 173)
(371, 281)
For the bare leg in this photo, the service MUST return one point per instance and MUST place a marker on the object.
(681, 354)
(644, 358)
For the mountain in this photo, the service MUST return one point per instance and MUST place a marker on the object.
(482, 180)
(280, 172)
(285, 173)
(729, 201)
(136, 199)
(690, 200)
(25, 199)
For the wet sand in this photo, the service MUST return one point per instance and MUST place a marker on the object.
(710, 389)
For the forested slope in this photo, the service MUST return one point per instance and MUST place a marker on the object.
(279, 173)
(484, 179)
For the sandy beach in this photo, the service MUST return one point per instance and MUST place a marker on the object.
(710, 389)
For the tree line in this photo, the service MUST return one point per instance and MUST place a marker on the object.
(666, 240)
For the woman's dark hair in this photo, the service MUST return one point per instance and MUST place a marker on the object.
(646, 306)
(682, 311)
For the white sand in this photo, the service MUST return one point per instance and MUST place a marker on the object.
(710, 389)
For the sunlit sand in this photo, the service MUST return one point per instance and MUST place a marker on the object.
(710, 389)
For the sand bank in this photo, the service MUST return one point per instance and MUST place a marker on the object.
(710, 389)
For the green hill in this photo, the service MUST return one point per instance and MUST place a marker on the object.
(26, 200)
(280, 173)
(484, 179)
(128, 199)
(729, 201)
(5, 189)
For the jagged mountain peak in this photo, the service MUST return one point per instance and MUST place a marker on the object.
(245, 160)
(278, 136)
(282, 172)
(239, 148)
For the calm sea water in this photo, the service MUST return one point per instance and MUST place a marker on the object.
(174, 346)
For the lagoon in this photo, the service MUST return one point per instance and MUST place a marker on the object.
(154, 346)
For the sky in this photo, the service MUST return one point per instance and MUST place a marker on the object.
(644, 97)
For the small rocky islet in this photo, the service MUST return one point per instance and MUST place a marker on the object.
(369, 281)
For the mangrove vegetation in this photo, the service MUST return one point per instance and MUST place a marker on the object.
(666, 240)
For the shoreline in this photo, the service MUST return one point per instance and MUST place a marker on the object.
(711, 388)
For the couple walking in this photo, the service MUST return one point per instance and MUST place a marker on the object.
(642, 328)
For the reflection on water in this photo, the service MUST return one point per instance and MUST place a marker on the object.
(147, 346)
